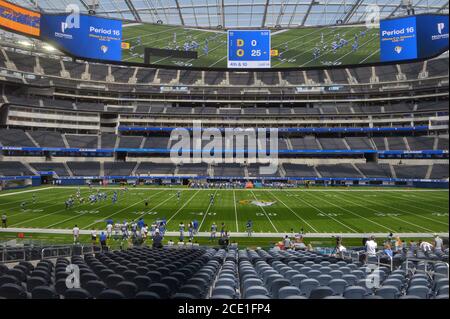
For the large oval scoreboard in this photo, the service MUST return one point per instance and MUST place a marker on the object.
(249, 49)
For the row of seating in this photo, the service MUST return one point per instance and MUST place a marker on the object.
(99, 72)
(16, 138)
(89, 168)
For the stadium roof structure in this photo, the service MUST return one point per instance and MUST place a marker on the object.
(242, 13)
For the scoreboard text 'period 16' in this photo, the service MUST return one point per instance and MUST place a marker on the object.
(249, 49)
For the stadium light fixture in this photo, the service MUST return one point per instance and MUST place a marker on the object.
(48, 48)
(25, 43)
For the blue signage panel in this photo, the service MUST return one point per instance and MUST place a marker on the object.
(398, 39)
(87, 36)
(249, 49)
(432, 34)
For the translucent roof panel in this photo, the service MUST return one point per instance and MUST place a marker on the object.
(242, 13)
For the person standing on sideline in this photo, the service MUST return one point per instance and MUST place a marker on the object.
(76, 234)
(94, 237)
(4, 221)
(438, 243)
(249, 228)
(103, 238)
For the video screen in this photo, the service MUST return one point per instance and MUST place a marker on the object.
(290, 48)
(18, 19)
(94, 38)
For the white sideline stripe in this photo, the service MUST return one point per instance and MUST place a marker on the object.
(235, 211)
(273, 190)
(184, 205)
(393, 217)
(265, 213)
(326, 215)
(406, 212)
(206, 213)
(351, 212)
(119, 211)
(240, 234)
(304, 221)
(23, 192)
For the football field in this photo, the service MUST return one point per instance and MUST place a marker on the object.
(273, 211)
(295, 46)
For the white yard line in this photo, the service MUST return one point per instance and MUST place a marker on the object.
(325, 214)
(304, 221)
(365, 59)
(184, 205)
(265, 213)
(355, 214)
(235, 211)
(91, 224)
(207, 211)
(170, 197)
(403, 211)
(393, 217)
(416, 202)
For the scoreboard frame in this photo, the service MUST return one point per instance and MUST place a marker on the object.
(247, 63)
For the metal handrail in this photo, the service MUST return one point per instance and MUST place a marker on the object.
(5, 252)
(408, 259)
(57, 250)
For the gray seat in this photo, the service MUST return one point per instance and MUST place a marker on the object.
(297, 279)
(251, 282)
(336, 274)
(393, 282)
(350, 279)
(354, 292)
(257, 297)
(443, 290)
(388, 292)
(276, 285)
(255, 291)
(338, 286)
(226, 282)
(321, 292)
(324, 279)
(307, 285)
(419, 291)
(224, 290)
(409, 297)
(289, 291)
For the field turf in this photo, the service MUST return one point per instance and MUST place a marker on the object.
(317, 210)
(295, 45)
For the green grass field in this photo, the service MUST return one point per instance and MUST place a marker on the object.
(317, 210)
(295, 45)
